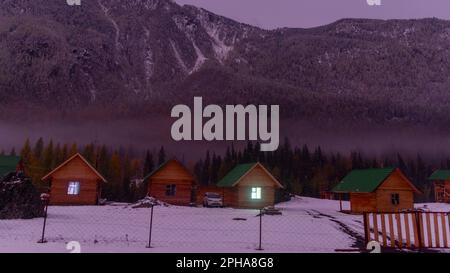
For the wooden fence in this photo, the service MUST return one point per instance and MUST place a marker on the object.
(411, 230)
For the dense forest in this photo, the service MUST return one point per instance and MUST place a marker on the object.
(303, 170)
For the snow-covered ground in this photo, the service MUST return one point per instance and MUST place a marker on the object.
(306, 225)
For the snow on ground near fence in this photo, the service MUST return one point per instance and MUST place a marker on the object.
(306, 225)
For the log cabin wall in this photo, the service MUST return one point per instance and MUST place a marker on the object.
(394, 184)
(361, 202)
(75, 171)
(172, 173)
(257, 177)
(230, 197)
(89, 192)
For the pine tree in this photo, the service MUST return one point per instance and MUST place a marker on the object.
(73, 149)
(89, 153)
(65, 152)
(198, 171)
(48, 157)
(25, 153)
(161, 156)
(127, 175)
(38, 149)
(401, 163)
(58, 154)
(103, 160)
(149, 165)
(205, 178)
(115, 188)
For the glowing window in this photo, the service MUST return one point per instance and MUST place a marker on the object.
(73, 188)
(256, 193)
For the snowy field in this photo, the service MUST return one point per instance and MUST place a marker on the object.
(306, 225)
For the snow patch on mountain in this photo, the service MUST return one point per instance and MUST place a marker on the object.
(201, 59)
(178, 56)
(113, 22)
(149, 63)
(189, 29)
(221, 50)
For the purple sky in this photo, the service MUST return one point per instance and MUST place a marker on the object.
(309, 13)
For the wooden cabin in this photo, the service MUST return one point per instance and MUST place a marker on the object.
(378, 190)
(75, 182)
(441, 181)
(249, 186)
(10, 164)
(171, 183)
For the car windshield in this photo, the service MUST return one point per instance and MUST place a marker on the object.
(213, 195)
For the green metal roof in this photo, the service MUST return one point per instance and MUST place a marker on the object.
(8, 164)
(440, 175)
(366, 180)
(235, 174)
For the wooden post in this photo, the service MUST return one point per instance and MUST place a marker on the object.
(391, 229)
(260, 230)
(399, 230)
(428, 223)
(444, 229)
(45, 198)
(408, 233)
(42, 240)
(436, 230)
(340, 202)
(419, 230)
(375, 228)
(366, 228)
(383, 229)
(150, 229)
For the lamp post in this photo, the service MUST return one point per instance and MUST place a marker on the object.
(45, 198)
(150, 229)
(261, 211)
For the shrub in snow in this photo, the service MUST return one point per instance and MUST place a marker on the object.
(19, 199)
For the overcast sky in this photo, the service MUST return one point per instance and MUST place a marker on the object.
(309, 13)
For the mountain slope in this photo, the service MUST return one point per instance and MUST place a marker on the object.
(109, 59)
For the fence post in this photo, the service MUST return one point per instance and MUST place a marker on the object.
(45, 198)
(150, 229)
(419, 229)
(260, 230)
(366, 228)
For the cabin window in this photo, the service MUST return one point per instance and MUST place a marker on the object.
(73, 188)
(395, 199)
(256, 193)
(171, 190)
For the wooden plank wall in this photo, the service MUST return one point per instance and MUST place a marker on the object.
(256, 178)
(361, 202)
(75, 170)
(395, 183)
(172, 173)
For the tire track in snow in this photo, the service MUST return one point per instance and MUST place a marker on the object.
(359, 241)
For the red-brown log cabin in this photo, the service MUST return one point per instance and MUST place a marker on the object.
(75, 182)
(171, 183)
